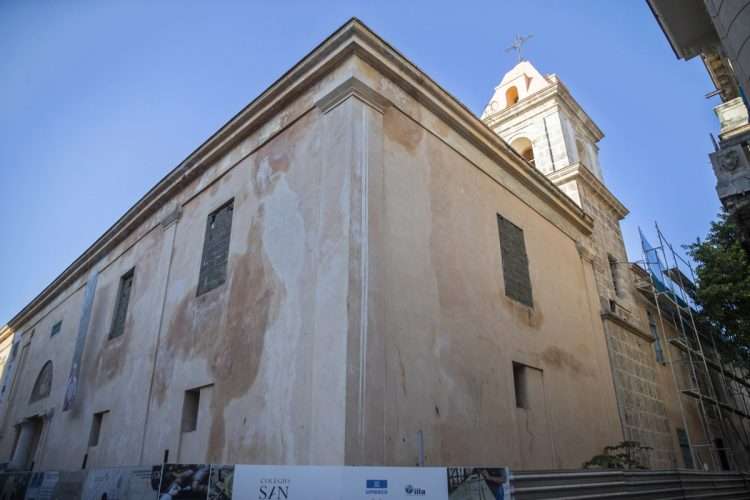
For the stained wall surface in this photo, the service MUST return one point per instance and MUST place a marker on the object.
(363, 315)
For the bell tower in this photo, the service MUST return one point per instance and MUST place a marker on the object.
(539, 118)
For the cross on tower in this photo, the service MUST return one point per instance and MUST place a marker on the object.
(517, 45)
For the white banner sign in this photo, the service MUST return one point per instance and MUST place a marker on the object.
(338, 483)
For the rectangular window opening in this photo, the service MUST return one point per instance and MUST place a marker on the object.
(520, 384)
(515, 262)
(614, 274)
(687, 456)
(723, 455)
(659, 352)
(96, 428)
(190, 410)
(213, 271)
(56, 328)
(121, 304)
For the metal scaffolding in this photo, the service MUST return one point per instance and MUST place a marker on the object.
(719, 393)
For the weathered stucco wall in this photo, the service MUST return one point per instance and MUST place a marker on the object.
(364, 304)
(449, 335)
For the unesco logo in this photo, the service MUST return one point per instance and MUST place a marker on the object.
(412, 491)
(376, 487)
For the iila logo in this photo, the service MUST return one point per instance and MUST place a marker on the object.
(415, 492)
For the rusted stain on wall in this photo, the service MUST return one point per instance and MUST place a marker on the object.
(564, 360)
(255, 298)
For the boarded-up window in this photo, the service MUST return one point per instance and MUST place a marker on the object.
(56, 329)
(216, 249)
(687, 456)
(515, 262)
(43, 384)
(121, 305)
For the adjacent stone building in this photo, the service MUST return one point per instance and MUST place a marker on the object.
(354, 270)
(718, 32)
(541, 120)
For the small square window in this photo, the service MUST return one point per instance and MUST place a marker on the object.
(56, 329)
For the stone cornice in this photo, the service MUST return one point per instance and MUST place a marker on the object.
(353, 38)
(5, 332)
(578, 171)
(556, 92)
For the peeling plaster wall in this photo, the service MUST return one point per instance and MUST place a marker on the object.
(271, 340)
(364, 303)
(451, 334)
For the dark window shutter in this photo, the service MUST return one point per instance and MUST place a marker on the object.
(515, 262)
(121, 305)
(213, 270)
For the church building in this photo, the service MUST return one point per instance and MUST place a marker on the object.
(356, 270)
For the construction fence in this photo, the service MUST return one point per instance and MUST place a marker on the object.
(245, 482)
(662, 485)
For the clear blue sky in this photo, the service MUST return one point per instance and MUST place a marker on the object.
(98, 100)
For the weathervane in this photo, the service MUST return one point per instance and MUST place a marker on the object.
(517, 45)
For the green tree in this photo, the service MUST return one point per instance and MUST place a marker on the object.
(723, 287)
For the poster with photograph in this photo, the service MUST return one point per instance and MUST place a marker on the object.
(13, 485)
(42, 485)
(69, 485)
(139, 483)
(184, 482)
(71, 386)
(478, 483)
(119, 483)
(220, 482)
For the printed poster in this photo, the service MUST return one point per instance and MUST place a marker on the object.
(119, 483)
(13, 485)
(69, 485)
(184, 482)
(220, 482)
(478, 483)
(42, 485)
(71, 386)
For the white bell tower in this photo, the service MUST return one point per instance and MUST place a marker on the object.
(544, 124)
(539, 118)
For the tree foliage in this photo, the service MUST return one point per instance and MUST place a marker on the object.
(723, 287)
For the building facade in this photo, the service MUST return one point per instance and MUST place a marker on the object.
(661, 404)
(718, 31)
(354, 270)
